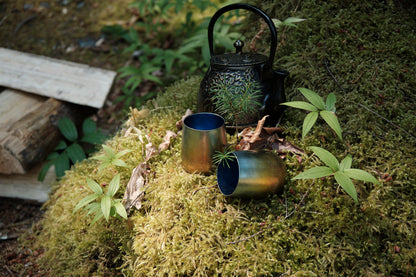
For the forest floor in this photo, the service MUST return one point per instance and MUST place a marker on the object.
(68, 30)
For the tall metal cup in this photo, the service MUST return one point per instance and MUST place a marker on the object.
(251, 174)
(203, 134)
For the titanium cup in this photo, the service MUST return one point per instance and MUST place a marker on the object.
(203, 134)
(251, 174)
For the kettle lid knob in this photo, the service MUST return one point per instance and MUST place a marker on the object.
(239, 46)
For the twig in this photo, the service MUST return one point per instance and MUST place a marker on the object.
(247, 238)
(3, 19)
(257, 37)
(159, 108)
(286, 205)
(312, 212)
(206, 187)
(9, 271)
(300, 202)
(30, 18)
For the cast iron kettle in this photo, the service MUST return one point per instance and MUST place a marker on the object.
(234, 69)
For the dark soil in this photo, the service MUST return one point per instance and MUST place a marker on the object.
(17, 218)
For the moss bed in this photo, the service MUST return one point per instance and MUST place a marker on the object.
(186, 227)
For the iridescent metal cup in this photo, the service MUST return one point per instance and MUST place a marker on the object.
(251, 174)
(203, 135)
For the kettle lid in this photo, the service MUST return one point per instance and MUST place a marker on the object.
(239, 59)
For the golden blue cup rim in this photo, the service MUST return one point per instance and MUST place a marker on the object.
(204, 121)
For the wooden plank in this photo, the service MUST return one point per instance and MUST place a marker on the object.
(15, 105)
(30, 133)
(27, 186)
(63, 80)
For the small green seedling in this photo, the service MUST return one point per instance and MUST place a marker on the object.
(103, 204)
(317, 107)
(224, 157)
(110, 157)
(342, 171)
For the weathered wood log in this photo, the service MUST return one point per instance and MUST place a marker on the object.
(29, 130)
(67, 81)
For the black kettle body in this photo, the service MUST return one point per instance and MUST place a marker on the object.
(235, 69)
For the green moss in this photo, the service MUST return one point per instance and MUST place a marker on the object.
(186, 227)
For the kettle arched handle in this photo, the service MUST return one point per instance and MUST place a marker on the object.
(236, 6)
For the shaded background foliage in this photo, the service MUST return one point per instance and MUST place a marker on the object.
(313, 228)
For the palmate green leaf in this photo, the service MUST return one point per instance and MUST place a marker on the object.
(92, 208)
(114, 186)
(314, 172)
(127, 71)
(345, 182)
(68, 129)
(119, 162)
(345, 163)
(61, 165)
(362, 175)
(89, 126)
(326, 157)
(308, 123)
(109, 151)
(52, 156)
(85, 201)
(44, 171)
(301, 105)
(122, 153)
(104, 165)
(106, 206)
(96, 188)
(61, 145)
(120, 210)
(293, 20)
(332, 121)
(75, 153)
(97, 217)
(94, 138)
(330, 102)
(102, 158)
(313, 97)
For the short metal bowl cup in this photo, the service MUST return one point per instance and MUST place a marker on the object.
(251, 174)
(203, 135)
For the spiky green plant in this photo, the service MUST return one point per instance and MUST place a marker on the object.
(225, 156)
(236, 102)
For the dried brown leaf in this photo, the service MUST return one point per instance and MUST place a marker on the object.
(136, 115)
(266, 138)
(135, 188)
(281, 146)
(166, 141)
(179, 124)
(134, 192)
(151, 151)
(258, 130)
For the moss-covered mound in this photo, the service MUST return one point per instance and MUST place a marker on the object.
(186, 227)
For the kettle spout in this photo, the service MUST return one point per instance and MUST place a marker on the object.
(281, 73)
